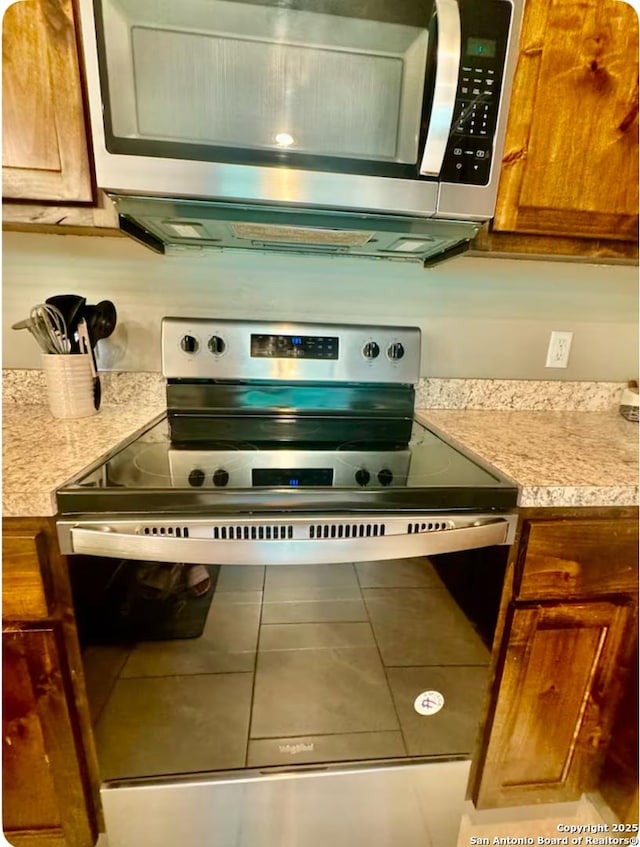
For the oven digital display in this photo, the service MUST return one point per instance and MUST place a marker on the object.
(294, 347)
(291, 477)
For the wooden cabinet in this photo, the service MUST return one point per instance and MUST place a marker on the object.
(48, 762)
(44, 147)
(564, 650)
(570, 164)
(45, 150)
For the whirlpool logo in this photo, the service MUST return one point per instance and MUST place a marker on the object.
(294, 749)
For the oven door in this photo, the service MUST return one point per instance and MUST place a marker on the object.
(288, 703)
(223, 98)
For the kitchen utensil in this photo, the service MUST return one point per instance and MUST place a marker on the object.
(101, 320)
(49, 327)
(28, 324)
(71, 307)
(85, 347)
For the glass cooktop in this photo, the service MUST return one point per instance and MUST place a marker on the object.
(152, 471)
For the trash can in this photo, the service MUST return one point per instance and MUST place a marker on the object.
(140, 601)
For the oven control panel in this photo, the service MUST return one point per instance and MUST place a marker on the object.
(202, 348)
(294, 346)
(288, 468)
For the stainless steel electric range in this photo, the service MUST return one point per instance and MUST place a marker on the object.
(301, 584)
(298, 441)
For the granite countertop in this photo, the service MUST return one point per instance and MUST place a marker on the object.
(565, 458)
(40, 452)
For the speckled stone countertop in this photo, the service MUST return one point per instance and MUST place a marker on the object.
(587, 456)
(557, 459)
(40, 453)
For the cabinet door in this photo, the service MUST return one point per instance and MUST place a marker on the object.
(44, 148)
(570, 166)
(43, 801)
(558, 690)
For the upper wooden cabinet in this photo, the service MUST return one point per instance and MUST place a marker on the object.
(570, 165)
(44, 146)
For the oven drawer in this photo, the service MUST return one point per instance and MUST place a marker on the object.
(578, 558)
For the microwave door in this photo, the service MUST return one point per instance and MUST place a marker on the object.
(447, 29)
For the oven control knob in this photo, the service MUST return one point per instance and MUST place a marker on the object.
(363, 477)
(217, 345)
(371, 350)
(220, 478)
(385, 477)
(395, 351)
(196, 477)
(189, 344)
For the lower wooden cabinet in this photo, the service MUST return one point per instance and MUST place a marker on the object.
(558, 695)
(48, 762)
(43, 792)
(563, 657)
(619, 776)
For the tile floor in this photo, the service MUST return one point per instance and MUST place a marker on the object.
(294, 665)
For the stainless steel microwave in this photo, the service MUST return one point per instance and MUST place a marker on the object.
(395, 110)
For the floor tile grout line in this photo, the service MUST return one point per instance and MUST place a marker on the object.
(384, 669)
(117, 677)
(255, 671)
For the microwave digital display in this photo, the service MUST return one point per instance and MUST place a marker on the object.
(481, 47)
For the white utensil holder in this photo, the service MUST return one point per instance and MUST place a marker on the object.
(70, 392)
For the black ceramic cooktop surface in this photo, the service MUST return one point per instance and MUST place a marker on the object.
(154, 473)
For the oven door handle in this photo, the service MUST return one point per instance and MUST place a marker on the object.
(208, 551)
(448, 54)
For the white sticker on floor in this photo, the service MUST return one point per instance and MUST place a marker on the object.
(428, 703)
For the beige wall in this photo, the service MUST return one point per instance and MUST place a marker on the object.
(480, 317)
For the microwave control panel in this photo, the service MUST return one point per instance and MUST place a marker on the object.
(485, 32)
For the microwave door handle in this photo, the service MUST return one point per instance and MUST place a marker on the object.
(448, 54)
